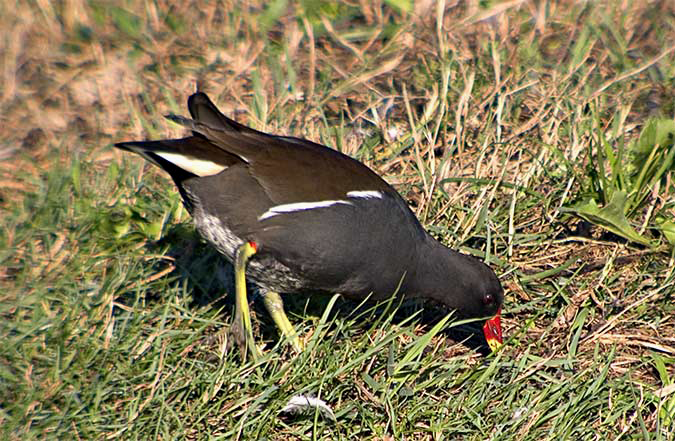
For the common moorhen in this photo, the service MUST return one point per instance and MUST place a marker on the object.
(294, 216)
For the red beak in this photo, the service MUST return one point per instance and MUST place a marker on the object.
(493, 331)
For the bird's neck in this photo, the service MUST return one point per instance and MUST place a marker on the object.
(434, 267)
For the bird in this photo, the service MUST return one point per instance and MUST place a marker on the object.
(296, 216)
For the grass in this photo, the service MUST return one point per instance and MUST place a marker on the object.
(487, 116)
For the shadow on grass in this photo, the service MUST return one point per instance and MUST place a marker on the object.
(209, 278)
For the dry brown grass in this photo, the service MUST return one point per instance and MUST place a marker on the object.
(448, 101)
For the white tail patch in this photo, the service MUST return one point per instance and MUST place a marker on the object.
(299, 206)
(366, 194)
(199, 167)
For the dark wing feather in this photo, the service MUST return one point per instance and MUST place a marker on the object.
(259, 170)
(345, 264)
(287, 168)
(234, 196)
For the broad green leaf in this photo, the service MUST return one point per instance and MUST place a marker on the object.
(117, 222)
(659, 132)
(654, 144)
(610, 217)
(667, 228)
(651, 159)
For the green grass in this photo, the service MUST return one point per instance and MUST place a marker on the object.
(113, 318)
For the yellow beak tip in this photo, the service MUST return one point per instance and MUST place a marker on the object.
(494, 344)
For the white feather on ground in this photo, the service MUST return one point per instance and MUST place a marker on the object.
(301, 404)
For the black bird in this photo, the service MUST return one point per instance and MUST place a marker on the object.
(294, 216)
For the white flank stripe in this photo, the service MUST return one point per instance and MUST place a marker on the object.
(199, 167)
(298, 206)
(367, 194)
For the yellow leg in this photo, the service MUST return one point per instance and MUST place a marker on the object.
(275, 306)
(242, 317)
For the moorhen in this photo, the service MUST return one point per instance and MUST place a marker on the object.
(294, 216)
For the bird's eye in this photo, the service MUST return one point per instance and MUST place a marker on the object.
(488, 299)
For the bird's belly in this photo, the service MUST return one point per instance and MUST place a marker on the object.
(264, 270)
